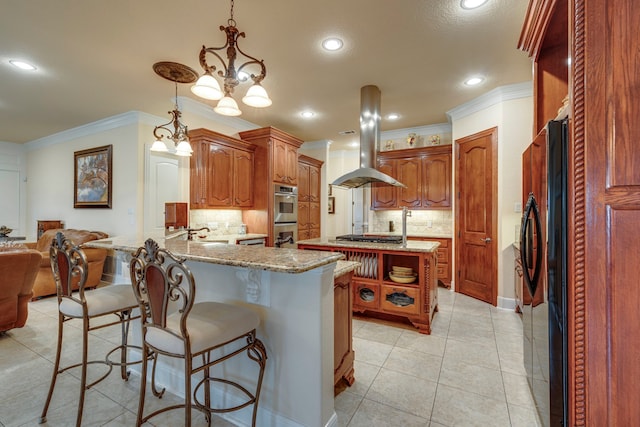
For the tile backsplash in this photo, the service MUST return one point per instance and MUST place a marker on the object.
(420, 221)
(219, 221)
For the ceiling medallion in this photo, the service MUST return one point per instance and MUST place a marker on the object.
(177, 73)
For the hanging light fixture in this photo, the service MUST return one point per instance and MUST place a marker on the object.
(208, 87)
(177, 73)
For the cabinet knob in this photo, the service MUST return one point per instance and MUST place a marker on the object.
(486, 239)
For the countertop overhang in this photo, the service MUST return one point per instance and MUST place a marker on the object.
(412, 245)
(256, 257)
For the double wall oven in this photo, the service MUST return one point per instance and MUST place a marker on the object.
(285, 216)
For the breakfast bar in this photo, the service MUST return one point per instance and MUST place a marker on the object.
(293, 293)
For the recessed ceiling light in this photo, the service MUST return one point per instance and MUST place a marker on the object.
(22, 65)
(474, 81)
(472, 4)
(393, 116)
(307, 114)
(332, 43)
(354, 144)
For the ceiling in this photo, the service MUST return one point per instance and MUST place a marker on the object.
(95, 59)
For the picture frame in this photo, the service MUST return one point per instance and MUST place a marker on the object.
(332, 205)
(93, 177)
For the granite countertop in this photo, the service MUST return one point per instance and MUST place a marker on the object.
(431, 234)
(230, 239)
(412, 245)
(345, 267)
(257, 257)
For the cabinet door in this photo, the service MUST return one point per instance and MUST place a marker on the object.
(280, 161)
(314, 233)
(385, 196)
(303, 182)
(303, 215)
(292, 164)
(436, 182)
(198, 175)
(314, 215)
(303, 234)
(243, 179)
(220, 173)
(410, 174)
(314, 184)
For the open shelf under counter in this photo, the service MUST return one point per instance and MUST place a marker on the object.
(375, 293)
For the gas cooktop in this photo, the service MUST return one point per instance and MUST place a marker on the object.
(370, 239)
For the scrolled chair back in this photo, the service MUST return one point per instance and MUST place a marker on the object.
(162, 284)
(69, 267)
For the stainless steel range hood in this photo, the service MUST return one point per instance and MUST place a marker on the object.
(369, 141)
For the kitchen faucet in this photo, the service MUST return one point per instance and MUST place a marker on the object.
(405, 213)
(192, 231)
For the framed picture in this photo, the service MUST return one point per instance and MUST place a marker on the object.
(332, 204)
(92, 176)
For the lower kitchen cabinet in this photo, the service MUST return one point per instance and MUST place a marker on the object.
(377, 295)
(444, 255)
(343, 354)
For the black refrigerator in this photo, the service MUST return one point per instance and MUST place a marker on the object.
(543, 252)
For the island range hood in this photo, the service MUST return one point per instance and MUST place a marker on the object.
(369, 140)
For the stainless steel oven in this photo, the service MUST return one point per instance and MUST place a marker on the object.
(285, 204)
(285, 216)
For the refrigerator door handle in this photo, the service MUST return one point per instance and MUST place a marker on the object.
(531, 209)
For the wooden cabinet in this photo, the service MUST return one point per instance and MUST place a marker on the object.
(445, 257)
(285, 162)
(44, 225)
(376, 294)
(343, 354)
(275, 161)
(176, 215)
(309, 212)
(426, 172)
(221, 171)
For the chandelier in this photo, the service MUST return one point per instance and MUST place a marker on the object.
(208, 87)
(177, 73)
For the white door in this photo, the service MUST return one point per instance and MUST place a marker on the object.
(164, 183)
(10, 199)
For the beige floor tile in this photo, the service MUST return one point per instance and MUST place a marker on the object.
(375, 414)
(346, 404)
(371, 352)
(378, 332)
(403, 392)
(415, 341)
(472, 378)
(522, 417)
(472, 353)
(365, 373)
(414, 363)
(454, 407)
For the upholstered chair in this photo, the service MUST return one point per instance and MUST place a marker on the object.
(18, 269)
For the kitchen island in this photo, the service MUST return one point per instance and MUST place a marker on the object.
(293, 293)
(377, 290)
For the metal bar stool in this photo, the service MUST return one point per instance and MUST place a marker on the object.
(172, 325)
(69, 266)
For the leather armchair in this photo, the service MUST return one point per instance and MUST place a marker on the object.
(18, 269)
(44, 284)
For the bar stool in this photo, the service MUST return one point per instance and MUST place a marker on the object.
(172, 325)
(69, 266)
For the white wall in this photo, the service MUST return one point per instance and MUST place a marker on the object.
(13, 187)
(514, 120)
(339, 163)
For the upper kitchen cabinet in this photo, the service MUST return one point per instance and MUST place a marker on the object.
(309, 182)
(283, 152)
(221, 171)
(426, 172)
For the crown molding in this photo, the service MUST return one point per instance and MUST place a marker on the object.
(495, 96)
(113, 122)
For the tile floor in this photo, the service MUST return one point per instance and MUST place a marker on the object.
(468, 372)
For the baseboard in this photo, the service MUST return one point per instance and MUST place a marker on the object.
(507, 303)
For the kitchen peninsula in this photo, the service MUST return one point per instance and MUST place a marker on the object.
(393, 280)
(293, 293)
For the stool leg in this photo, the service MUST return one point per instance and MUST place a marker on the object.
(187, 389)
(207, 388)
(257, 353)
(56, 367)
(143, 383)
(125, 317)
(83, 380)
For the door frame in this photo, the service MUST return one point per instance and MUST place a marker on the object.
(493, 133)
